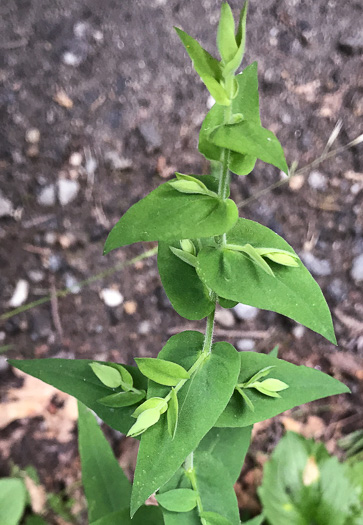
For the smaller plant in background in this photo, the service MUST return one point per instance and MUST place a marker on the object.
(304, 485)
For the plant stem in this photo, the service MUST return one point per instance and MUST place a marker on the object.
(208, 337)
(190, 474)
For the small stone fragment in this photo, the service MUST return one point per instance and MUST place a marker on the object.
(317, 181)
(20, 294)
(67, 191)
(357, 268)
(245, 345)
(55, 263)
(71, 59)
(245, 312)
(224, 318)
(4, 365)
(296, 182)
(116, 162)
(32, 136)
(319, 267)
(46, 196)
(36, 276)
(130, 307)
(111, 297)
(298, 331)
(144, 328)
(75, 159)
(6, 207)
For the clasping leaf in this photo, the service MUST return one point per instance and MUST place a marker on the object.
(107, 375)
(253, 254)
(188, 246)
(184, 256)
(160, 371)
(122, 399)
(178, 500)
(279, 256)
(153, 402)
(145, 420)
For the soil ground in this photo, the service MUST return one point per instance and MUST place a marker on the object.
(103, 94)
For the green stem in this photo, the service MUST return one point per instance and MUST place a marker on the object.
(208, 337)
(190, 474)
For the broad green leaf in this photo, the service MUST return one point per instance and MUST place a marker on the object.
(106, 487)
(241, 164)
(173, 413)
(203, 62)
(153, 402)
(167, 215)
(75, 377)
(179, 481)
(226, 303)
(215, 487)
(35, 520)
(292, 291)
(212, 518)
(178, 500)
(247, 104)
(303, 485)
(147, 515)
(161, 371)
(122, 399)
(248, 138)
(107, 375)
(145, 420)
(228, 445)
(12, 500)
(305, 385)
(187, 293)
(258, 520)
(226, 41)
(201, 400)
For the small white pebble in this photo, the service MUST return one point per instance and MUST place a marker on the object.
(317, 181)
(71, 59)
(298, 331)
(20, 294)
(75, 159)
(32, 136)
(245, 345)
(245, 312)
(111, 297)
(357, 268)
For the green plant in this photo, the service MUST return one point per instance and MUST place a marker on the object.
(194, 406)
(304, 485)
